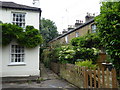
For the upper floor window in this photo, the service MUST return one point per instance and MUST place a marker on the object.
(77, 34)
(17, 54)
(19, 19)
(66, 39)
(93, 28)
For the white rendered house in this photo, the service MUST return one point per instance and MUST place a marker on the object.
(18, 60)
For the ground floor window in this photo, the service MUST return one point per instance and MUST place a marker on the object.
(17, 54)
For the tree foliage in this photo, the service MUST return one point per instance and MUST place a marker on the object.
(48, 30)
(108, 24)
(87, 41)
(30, 37)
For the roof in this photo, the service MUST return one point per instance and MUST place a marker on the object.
(13, 5)
(88, 22)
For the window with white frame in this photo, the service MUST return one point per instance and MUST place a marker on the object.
(17, 54)
(77, 34)
(66, 39)
(93, 28)
(18, 19)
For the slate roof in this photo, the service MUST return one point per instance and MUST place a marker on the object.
(73, 30)
(13, 5)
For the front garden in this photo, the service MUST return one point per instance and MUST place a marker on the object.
(82, 51)
(77, 62)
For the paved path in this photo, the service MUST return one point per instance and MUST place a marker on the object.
(48, 79)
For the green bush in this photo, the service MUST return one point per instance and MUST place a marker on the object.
(108, 24)
(86, 63)
(30, 37)
(46, 57)
(86, 47)
(54, 52)
(66, 54)
(78, 41)
(87, 41)
(86, 53)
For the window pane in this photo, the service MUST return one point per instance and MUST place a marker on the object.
(93, 27)
(19, 19)
(14, 15)
(16, 58)
(17, 53)
(20, 24)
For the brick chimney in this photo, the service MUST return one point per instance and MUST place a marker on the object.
(70, 27)
(89, 16)
(64, 31)
(78, 23)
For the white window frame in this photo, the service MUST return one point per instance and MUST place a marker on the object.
(93, 28)
(21, 20)
(77, 34)
(66, 39)
(15, 54)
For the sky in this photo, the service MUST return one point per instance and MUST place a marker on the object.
(64, 12)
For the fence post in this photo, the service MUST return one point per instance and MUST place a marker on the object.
(103, 78)
(84, 73)
(114, 79)
(99, 78)
(90, 74)
(94, 78)
(107, 77)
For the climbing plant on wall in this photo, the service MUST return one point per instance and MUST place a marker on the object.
(30, 37)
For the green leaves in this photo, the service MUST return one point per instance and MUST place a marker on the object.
(88, 41)
(86, 63)
(66, 54)
(108, 24)
(10, 32)
(30, 37)
(48, 30)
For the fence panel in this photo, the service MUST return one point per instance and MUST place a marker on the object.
(88, 78)
(100, 78)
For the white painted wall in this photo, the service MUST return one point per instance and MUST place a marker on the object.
(30, 68)
(31, 55)
(0, 61)
(31, 18)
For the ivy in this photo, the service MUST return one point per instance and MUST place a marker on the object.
(30, 37)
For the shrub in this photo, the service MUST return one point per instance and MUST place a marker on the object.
(54, 52)
(86, 53)
(108, 24)
(88, 41)
(46, 57)
(66, 54)
(86, 63)
(78, 41)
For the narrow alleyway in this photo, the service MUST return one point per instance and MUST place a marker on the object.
(48, 79)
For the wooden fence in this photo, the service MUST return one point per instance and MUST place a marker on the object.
(88, 78)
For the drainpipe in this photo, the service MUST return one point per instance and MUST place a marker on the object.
(40, 31)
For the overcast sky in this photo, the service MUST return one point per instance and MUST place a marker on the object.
(64, 12)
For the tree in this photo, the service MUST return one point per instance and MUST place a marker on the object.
(108, 24)
(0, 22)
(48, 30)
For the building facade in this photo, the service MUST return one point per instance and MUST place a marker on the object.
(18, 60)
(81, 30)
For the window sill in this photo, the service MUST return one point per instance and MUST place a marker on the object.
(17, 64)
